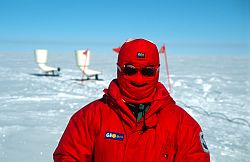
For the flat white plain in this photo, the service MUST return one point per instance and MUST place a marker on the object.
(35, 110)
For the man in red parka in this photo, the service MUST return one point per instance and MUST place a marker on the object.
(136, 120)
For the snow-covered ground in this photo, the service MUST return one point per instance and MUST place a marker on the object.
(35, 110)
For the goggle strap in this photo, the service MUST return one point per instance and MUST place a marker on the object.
(118, 67)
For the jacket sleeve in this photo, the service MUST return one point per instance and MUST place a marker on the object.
(76, 143)
(191, 146)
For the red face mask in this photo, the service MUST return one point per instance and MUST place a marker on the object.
(138, 70)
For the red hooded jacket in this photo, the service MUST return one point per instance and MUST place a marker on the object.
(107, 131)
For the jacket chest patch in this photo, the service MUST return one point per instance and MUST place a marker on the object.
(114, 136)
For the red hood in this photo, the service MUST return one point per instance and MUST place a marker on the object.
(160, 101)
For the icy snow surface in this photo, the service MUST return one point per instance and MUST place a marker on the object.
(35, 110)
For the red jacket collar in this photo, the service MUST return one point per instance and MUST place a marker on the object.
(160, 100)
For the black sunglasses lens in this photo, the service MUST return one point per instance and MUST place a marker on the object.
(148, 71)
(129, 70)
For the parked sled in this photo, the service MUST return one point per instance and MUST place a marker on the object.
(83, 61)
(41, 57)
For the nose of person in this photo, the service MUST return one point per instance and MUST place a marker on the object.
(138, 77)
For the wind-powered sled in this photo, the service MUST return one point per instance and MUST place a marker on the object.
(83, 61)
(41, 57)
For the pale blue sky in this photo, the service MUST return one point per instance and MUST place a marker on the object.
(186, 26)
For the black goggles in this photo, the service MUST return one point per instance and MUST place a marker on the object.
(130, 69)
